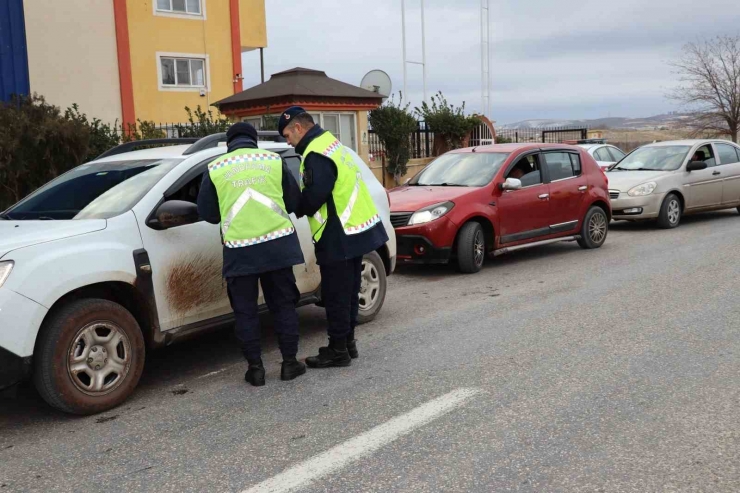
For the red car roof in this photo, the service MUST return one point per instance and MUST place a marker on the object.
(517, 147)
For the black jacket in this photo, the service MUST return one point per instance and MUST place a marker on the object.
(262, 257)
(319, 177)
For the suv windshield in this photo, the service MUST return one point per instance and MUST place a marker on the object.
(654, 158)
(93, 191)
(468, 169)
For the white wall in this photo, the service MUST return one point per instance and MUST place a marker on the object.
(72, 55)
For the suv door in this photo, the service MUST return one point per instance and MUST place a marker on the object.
(568, 186)
(705, 186)
(729, 160)
(524, 214)
(187, 260)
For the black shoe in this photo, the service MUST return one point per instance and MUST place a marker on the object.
(352, 349)
(292, 369)
(328, 358)
(256, 373)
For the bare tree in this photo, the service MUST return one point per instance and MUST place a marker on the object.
(710, 85)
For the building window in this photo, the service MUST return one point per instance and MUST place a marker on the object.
(191, 7)
(256, 122)
(341, 125)
(183, 72)
(188, 72)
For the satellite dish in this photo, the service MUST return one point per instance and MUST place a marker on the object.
(377, 81)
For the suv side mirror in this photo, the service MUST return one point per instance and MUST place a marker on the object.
(696, 166)
(175, 213)
(511, 184)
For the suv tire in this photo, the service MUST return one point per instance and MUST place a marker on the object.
(594, 229)
(90, 356)
(373, 288)
(670, 212)
(471, 248)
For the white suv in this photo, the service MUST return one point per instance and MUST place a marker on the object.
(111, 258)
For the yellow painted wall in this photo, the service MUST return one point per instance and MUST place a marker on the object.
(253, 23)
(72, 55)
(151, 33)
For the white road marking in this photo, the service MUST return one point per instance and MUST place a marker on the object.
(212, 373)
(334, 459)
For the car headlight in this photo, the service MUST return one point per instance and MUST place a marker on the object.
(5, 268)
(644, 189)
(431, 213)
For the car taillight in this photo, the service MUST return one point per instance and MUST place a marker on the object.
(603, 172)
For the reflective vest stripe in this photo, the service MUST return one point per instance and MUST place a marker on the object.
(260, 239)
(364, 226)
(246, 158)
(352, 199)
(248, 194)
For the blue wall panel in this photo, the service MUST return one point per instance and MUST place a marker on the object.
(13, 52)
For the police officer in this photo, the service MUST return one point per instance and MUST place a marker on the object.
(344, 223)
(250, 192)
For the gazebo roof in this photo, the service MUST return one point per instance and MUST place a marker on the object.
(300, 86)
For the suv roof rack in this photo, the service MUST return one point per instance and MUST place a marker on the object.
(130, 146)
(197, 144)
(215, 139)
(592, 141)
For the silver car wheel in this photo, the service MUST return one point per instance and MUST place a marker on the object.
(478, 248)
(597, 227)
(369, 286)
(674, 211)
(99, 358)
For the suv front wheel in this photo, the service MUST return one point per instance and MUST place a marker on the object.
(89, 358)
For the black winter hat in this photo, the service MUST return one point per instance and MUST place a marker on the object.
(287, 117)
(241, 129)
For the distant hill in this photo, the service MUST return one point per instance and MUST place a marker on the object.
(658, 122)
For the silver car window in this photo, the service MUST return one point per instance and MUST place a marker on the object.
(727, 154)
(655, 158)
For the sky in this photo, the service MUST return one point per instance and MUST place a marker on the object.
(550, 59)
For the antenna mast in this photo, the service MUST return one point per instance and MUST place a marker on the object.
(485, 58)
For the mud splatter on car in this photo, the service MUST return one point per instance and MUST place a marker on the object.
(193, 282)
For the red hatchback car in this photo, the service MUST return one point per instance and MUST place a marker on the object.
(496, 199)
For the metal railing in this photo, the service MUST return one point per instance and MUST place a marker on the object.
(422, 139)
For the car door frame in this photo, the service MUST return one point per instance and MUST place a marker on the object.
(525, 236)
(731, 180)
(579, 184)
(703, 184)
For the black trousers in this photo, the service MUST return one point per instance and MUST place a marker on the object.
(340, 289)
(281, 295)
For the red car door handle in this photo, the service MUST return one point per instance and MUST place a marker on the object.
(544, 196)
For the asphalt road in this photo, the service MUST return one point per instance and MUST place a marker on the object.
(609, 370)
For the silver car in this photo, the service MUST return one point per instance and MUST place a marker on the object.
(605, 155)
(665, 180)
